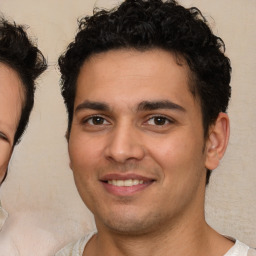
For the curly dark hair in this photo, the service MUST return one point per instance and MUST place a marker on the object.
(148, 24)
(18, 52)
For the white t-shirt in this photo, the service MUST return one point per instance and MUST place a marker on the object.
(3, 216)
(76, 249)
(22, 236)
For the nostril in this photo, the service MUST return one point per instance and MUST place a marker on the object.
(124, 145)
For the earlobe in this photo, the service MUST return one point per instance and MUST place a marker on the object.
(217, 141)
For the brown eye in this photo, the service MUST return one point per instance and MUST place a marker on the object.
(96, 120)
(158, 120)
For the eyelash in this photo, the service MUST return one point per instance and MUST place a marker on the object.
(2, 136)
(103, 119)
(87, 119)
(164, 118)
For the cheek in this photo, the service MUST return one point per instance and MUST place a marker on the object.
(83, 160)
(179, 155)
(84, 152)
(174, 148)
(182, 164)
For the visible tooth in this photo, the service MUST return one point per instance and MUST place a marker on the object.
(128, 183)
(136, 182)
(120, 183)
(125, 183)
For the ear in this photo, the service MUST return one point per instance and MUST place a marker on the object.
(217, 141)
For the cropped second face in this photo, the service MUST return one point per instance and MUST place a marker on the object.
(137, 142)
(11, 96)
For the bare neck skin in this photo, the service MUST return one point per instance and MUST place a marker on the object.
(188, 235)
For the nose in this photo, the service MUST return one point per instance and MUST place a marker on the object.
(124, 144)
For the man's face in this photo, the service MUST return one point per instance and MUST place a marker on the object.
(10, 111)
(136, 144)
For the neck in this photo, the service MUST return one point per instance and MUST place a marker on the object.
(186, 234)
(188, 238)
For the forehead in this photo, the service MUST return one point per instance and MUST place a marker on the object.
(127, 76)
(11, 96)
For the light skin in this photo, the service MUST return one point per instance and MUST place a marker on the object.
(10, 111)
(139, 155)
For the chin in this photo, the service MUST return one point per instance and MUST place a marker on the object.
(130, 224)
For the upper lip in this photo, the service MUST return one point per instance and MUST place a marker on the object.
(132, 176)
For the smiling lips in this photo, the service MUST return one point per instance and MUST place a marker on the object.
(125, 183)
(125, 186)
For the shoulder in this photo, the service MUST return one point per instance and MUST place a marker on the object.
(21, 235)
(75, 248)
(240, 249)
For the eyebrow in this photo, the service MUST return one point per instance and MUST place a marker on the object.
(143, 106)
(154, 105)
(92, 105)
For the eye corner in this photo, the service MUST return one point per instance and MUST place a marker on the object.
(4, 137)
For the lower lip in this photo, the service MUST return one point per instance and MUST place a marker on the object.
(125, 191)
